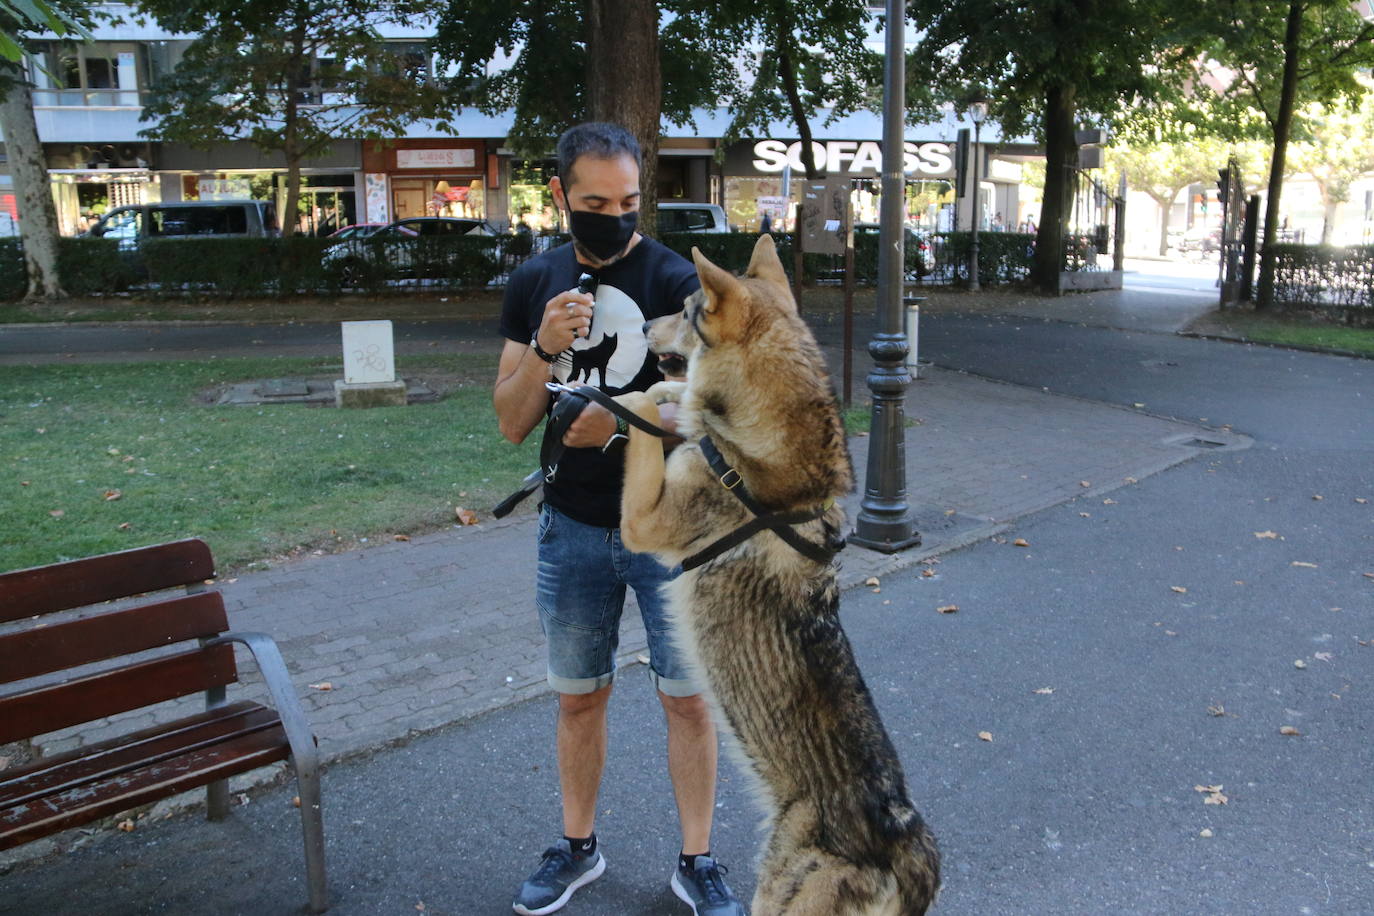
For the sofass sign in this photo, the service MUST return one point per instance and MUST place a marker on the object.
(853, 157)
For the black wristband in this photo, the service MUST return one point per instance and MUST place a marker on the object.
(540, 352)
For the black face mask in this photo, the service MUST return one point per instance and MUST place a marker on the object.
(603, 235)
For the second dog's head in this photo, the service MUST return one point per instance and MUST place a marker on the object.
(724, 310)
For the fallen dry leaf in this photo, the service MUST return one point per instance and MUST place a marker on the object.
(296, 800)
(1044, 690)
(1304, 564)
(1178, 588)
(947, 608)
(1217, 710)
(465, 516)
(1299, 664)
(985, 736)
(1322, 656)
(1215, 798)
(1130, 480)
(1206, 833)
(1318, 497)
(57, 513)
(1361, 500)
(1290, 731)
(1137, 404)
(1084, 515)
(124, 526)
(1368, 575)
(871, 581)
(126, 825)
(322, 685)
(1270, 535)
(401, 537)
(112, 495)
(1109, 502)
(927, 573)
(1084, 483)
(1020, 542)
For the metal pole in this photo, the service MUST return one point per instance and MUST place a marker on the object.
(884, 521)
(977, 208)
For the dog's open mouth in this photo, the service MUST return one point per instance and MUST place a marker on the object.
(672, 364)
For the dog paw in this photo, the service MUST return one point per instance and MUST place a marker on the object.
(640, 404)
(666, 392)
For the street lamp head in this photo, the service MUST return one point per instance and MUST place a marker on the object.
(978, 110)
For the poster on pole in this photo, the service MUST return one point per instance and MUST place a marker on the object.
(826, 216)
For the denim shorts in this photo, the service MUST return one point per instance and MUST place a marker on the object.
(583, 572)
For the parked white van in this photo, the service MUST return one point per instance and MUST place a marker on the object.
(191, 218)
(682, 216)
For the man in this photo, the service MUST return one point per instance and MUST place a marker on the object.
(555, 333)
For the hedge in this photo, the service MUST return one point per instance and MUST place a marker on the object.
(1324, 276)
(1003, 257)
(264, 267)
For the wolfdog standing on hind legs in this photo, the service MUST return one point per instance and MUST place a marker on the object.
(760, 620)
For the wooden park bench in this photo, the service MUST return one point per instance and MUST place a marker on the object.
(72, 671)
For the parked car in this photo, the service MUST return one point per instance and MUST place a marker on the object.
(354, 231)
(396, 249)
(682, 216)
(919, 257)
(1198, 239)
(133, 223)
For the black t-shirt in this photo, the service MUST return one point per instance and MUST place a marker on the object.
(651, 281)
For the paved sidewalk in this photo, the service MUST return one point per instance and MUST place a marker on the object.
(406, 637)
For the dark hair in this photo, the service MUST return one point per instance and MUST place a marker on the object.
(598, 140)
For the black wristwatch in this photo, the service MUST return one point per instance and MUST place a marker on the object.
(540, 352)
(621, 434)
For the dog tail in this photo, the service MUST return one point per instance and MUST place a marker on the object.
(918, 874)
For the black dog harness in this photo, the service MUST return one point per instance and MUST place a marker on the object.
(573, 401)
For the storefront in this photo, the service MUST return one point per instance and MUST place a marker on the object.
(433, 177)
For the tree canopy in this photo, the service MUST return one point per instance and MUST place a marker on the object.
(289, 77)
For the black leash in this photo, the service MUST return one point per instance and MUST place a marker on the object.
(570, 404)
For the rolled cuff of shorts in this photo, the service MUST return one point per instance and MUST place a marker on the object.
(673, 686)
(580, 685)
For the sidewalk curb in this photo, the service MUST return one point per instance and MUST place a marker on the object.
(1274, 345)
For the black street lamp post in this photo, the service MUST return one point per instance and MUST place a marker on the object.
(884, 522)
(978, 111)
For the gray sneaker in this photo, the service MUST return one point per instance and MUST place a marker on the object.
(704, 890)
(560, 873)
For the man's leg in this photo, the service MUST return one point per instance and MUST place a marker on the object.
(692, 768)
(581, 756)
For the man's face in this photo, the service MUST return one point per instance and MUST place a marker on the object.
(596, 185)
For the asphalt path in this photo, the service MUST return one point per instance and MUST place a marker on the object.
(1137, 648)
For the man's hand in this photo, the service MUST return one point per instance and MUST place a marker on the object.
(593, 426)
(567, 317)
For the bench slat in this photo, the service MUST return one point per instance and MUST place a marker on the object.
(104, 759)
(91, 800)
(47, 709)
(43, 589)
(45, 649)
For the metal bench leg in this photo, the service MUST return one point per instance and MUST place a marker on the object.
(312, 825)
(217, 800)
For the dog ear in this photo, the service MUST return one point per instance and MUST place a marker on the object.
(765, 263)
(718, 284)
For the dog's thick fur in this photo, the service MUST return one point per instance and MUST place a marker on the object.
(761, 622)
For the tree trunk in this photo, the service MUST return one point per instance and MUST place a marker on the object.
(625, 84)
(29, 170)
(1264, 299)
(1164, 226)
(1329, 204)
(1061, 156)
(787, 73)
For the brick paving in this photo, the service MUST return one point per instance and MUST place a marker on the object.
(411, 636)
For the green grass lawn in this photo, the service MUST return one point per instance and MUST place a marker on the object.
(254, 482)
(1296, 330)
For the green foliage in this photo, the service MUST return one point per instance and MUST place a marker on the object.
(1324, 276)
(264, 267)
(290, 77)
(17, 17)
(1003, 257)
